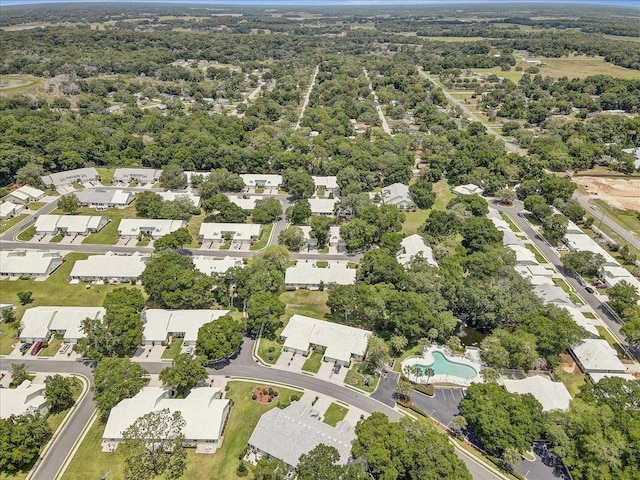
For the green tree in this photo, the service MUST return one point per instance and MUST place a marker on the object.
(477, 205)
(8, 315)
(423, 194)
(320, 227)
(21, 438)
(122, 296)
(321, 464)
(19, 374)
(440, 224)
(270, 469)
(173, 177)
(398, 343)
(264, 310)
(148, 204)
(154, 445)
(299, 212)
(478, 233)
(224, 210)
(584, 262)
(404, 390)
(509, 350)
(459, 423)
(537, 205)
(30, 174)
(184, 373)
(506, 196)
(357, 234)
(554, 227)
(218, 181)
(115, 379)
(175, 240)
(69, 203)
(511, 456)
(623, 296)
(298, 183)
(377, 356)
(220, 338)
(378, 266)
(58, 392)
(267, 210)
(292, 238)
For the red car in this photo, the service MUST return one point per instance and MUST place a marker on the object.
(36, 348)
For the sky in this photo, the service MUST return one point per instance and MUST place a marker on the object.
(302, 3)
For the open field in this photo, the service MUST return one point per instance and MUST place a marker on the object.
(20, 85)
(581, 66)
(313, 362)
(7, 224)
(414, 220)
(305, 302)
(334, 414)
(106, 175)
(625, 218)
(621, 193)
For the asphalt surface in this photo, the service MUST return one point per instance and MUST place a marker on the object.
(386, 390)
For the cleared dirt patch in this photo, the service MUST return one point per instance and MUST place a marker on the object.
(263, 394)
(621, 193)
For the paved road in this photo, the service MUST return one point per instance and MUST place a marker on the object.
(553, 257)
(386, 390)
(628, 236)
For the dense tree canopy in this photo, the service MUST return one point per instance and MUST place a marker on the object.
(220, 338)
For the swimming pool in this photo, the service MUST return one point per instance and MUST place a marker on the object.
(443, 366)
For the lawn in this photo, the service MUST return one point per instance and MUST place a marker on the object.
(35, 205)
(356, 379)
(417, 350)
(27, 234)
(264, 237)
(109, 234)
(413, 220)
(20, 85)
(173, 350)
(539, 257)
(334, 414)
(305, 302)
(590, 315)
(7, 224)
(581, 66)
(565, 286)
(269, 350)
(313, 362)
(572, 381)
(511, 223)
(625, 218)
(194, 229)
(52, 348)
(91, 462)
(106, 175)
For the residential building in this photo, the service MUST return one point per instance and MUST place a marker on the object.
(9, 210)
(551, 395)
(79, 175)
(245, 202)
(327, 183)
(341, 342)
(159, 324)
(16, 263)
(170, 196)
(237, 232)
(309, 275)
(24, 195)
(611, 275)
(211, 265)
(70, 224)
(261, 180)
(142, 176)
(636, 155)
(286, 434)
(98, 197)
(27, 397)
(203, 410)
(322, 206)
(398, 194)
(524, 256)
(111, 267)
(39, 323)
(578, 317)
(552, 294)
(536, 274)
(595, 355)
(468, 189)
(155, 228)
(414, 246)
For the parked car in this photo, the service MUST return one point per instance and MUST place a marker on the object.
(337, 368)
(589, 289)
(64, 348)
(189, 350)
(24, 347)
(36, 348)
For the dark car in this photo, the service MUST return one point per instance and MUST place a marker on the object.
(337, 368)
(589, 289)
(24, 347)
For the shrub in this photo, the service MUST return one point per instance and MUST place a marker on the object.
(270, 391)
(254, 397)
(295, 397)
(242, 470)
(271, 349)
(426, 389)
(418, 410)
(226, 388)
(270, 358)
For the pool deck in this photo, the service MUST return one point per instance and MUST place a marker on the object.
(470, 359)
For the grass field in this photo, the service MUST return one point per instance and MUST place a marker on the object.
(91, 462)
(264, 237)
(334, 414)
(539, 257)
(313, 362)
(625, 218)
(356, 379)
(35, 205)
(305, 302)
(572, 381)
(109, 234)
(173, 350)
(194, 229)
(581, 66)
(7, 224)
(266, 354)
(106, 175)
(27, 234)
(20, 85)
(413, 220)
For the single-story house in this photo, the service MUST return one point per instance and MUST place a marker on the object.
(595, 355)
(551, 395)
(261, 180)
(398, 194)
(333, 239)
(327, 183)
(15, 263)
(156, 228)
(341, 342)
(60, 179)
(246, 203)
(203, 410)
(636, 154)
(612, 275)
(26, 397)
(23, 195)
(160, 324)
(322, 206)
(70, 224)
(237, 232)
(468, 189)
(112, 267)
(170, 196)
(211, 265)
(552, 294)
(39, 323)
(578, 241)
(143, 176)
(413, 246)
(9, 210)
(578, 317)
(524, 256)
(288, 433)
(98, 197)
(309, 275)
(536, 274)
(509, 238)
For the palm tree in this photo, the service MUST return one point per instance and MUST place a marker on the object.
(404, 389)
(429, 372)
(511, 456)
(490, 375)
(459, 423)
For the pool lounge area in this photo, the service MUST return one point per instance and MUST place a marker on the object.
(448, 368)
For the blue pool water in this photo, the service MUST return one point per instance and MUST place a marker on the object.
(441, 365)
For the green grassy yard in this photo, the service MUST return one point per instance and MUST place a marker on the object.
(35, 205)
(52, 348)
(173, 350)
(356, 379)
(106, 175)
(7, 224)
(109, 234)
(264, 237)
(27, 234)
(313, 362)
(539, 257)
(194, 229)
(413, 220)
(334, 414)
(572, 381)
(269, 350)
(305, 302)
(625, 218)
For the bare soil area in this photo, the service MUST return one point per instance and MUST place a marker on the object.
(621, 193)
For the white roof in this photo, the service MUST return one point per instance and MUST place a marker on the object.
(616, 274)
(238, 231)
(468, 189)
(341, 341)
(26, 193)
(210, 265)
(28, 262)
(70, 223)
(110, 265)
(396, 193)
(536, 274)
(262, 180)
(288, 433)
(38, 322)
(248, 203)
(96, 196)
(596, 377)
(322, 206)
(329, 182)
(157, 227)
(551, 293)
(597, 355)
(26, 397)
(307, 273)
(581, 242)
(143, 175)
(509, 238)
(524, 256)
(158, 324)
(170, 196)
(65, 178)
(500, 223)
(7, 208)
(579, 318)
(552, 395)
(415, 245)
(203, 411)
